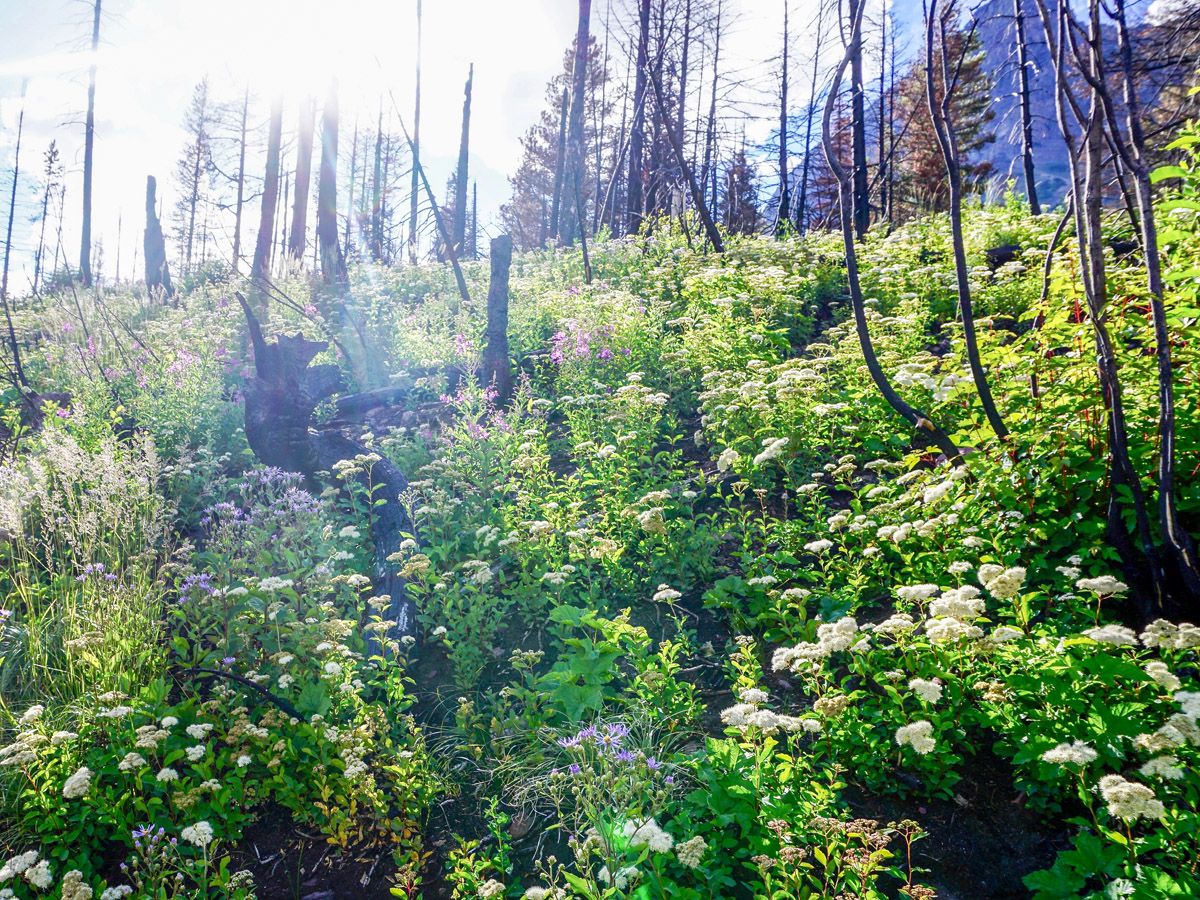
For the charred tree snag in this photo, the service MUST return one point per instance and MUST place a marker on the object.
(847, 202)
(497, 371)
(280, 399)
(158, 274)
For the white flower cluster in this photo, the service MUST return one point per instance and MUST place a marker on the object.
(1001, 583)
(1129, 800)
(691, 852)
(748, 714)
(1076, 753)
(929, 691)
(832, 637)
(666, 594)
(1161, 633)
(918, 735)
(1104, 586)
(772, 449)
(648, 834)
(200, 834)
(77, 785)
(959, 603)
(917, 593)
(1163, 676)
(29, 866)
(1116, 635)
(491, 888)
(1165, 767)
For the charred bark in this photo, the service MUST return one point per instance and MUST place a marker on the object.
(158, 273)
(497, 371)
(280, 399)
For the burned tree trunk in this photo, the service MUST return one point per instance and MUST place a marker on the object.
(280, 399)
(298, 239)
(496, 369)
(333, 263)
(572, 214)
(270, 195)
(460, 175)
(1023, 64)
(633, 190)
(847, 199)
(158, 274)
(559, 164)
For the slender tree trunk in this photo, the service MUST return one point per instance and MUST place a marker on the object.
(1085, 159)
(377, 192)
(158, 273)
(283, 225)
(685, 47)
(890, 178)
(1179, 544)
(785, 198)
(947, 138)
(560, 163)
(298, 240)
(574, 215)
(58, 239)
(847, 197)
(497, 370)
(416, 154)
(1023, 64)
(347, 234)
(266, 221)
(461, 175)
(473, 240)
(333, 263)
(89, 142)
(241, 186)
(443, 229)
(862, 190)
(600, 128)
(18, 368)
(39, 257)
(194, 195)
(710, 142)
(881, 173)
(633, 192)
(802, 209)
(710, 228)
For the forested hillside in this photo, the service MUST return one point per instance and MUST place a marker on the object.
(688, 540)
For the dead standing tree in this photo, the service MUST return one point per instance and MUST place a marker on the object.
(847, 201)
(298, 238)
(262, 250)
(572, 215)
(937, 59)
(497, 371)
(333, 263)
(1078, 56)
(158, 272)
(89, 145)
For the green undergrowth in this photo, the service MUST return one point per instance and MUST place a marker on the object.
(690, 591)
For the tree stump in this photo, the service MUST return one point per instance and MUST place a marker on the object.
(280, 399)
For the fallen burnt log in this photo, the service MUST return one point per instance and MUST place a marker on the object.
(280, 399)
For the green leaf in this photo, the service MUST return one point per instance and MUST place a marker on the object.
(1162, 173)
